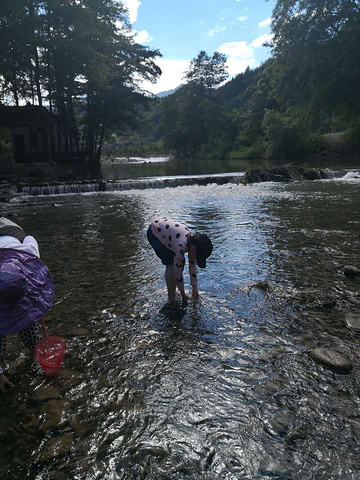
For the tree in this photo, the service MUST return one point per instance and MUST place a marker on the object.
(181, 122)
(207, 72)
(316, 46)
(81, 58)
(15, 62)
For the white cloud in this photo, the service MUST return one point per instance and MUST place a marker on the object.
(241, 55)
(216, 29)
(173, 72)
(133, 7)
(228, 26)
(258, 42)
(143, 37)
(265, 23)
(239, 65)
(236, 49)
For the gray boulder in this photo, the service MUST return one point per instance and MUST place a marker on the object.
(331, 359)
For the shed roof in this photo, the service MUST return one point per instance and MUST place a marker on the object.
(26, 115)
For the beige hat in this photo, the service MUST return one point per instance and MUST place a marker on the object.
(7, 227)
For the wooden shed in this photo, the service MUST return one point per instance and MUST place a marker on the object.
(33, 130)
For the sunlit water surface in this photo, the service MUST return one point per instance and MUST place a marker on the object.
(223, 389)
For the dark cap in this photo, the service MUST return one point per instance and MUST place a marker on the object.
(203, 247)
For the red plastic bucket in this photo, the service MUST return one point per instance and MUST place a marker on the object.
(50, 352)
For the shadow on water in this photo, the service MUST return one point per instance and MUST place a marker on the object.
(223, 388)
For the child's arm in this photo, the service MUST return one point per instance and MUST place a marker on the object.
(32, 245)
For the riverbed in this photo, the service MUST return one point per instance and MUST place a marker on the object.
(221, 389)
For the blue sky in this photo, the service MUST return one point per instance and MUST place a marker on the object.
(181, 28)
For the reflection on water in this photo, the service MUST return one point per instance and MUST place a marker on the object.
(221, 389)
(173, 167)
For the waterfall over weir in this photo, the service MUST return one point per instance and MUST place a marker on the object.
(142, 184)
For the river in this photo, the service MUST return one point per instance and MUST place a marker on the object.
(222, 389)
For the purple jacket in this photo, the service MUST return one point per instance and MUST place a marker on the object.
(26, 290)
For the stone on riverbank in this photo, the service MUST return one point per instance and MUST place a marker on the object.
(286, 174)
(331, 359)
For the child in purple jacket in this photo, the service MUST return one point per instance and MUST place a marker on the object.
(26, 288)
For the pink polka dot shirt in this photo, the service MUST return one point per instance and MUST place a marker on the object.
(174, 236)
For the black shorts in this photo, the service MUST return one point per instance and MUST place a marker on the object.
(165, 255)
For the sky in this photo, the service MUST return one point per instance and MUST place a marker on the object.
(180, 29)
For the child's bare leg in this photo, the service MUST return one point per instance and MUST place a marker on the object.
(170, 282)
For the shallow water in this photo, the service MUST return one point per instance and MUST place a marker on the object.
(222, 389)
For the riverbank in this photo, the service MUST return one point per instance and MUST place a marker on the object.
(338, 153)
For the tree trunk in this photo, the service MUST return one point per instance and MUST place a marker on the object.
(37, 68)
(98, 153)
(37, 77)
(15, 91)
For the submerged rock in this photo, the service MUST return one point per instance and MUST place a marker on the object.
(79, 332)
(294, 435)
(331, 359)
(53, 410)
(280, 423)
(47, 393)
(352, 321)
(330, 265)
(55, 448)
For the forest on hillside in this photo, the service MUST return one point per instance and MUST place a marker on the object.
(310, 86)
(80, 59)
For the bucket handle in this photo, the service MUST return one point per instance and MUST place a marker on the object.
(43, 324)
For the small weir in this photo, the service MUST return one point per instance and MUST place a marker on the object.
(142, 184)
(88, 186)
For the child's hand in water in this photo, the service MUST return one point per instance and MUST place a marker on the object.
(4, 382)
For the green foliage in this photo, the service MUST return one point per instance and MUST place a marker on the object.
(207, 72)
(282, 136)
(316, 47)
(353, 132)
(254, 152)
(148, 149)
(280, 110)
(313, 142)
(74, 54)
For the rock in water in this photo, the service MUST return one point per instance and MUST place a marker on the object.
(331, 359)
(352, 321)
(351, 271)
